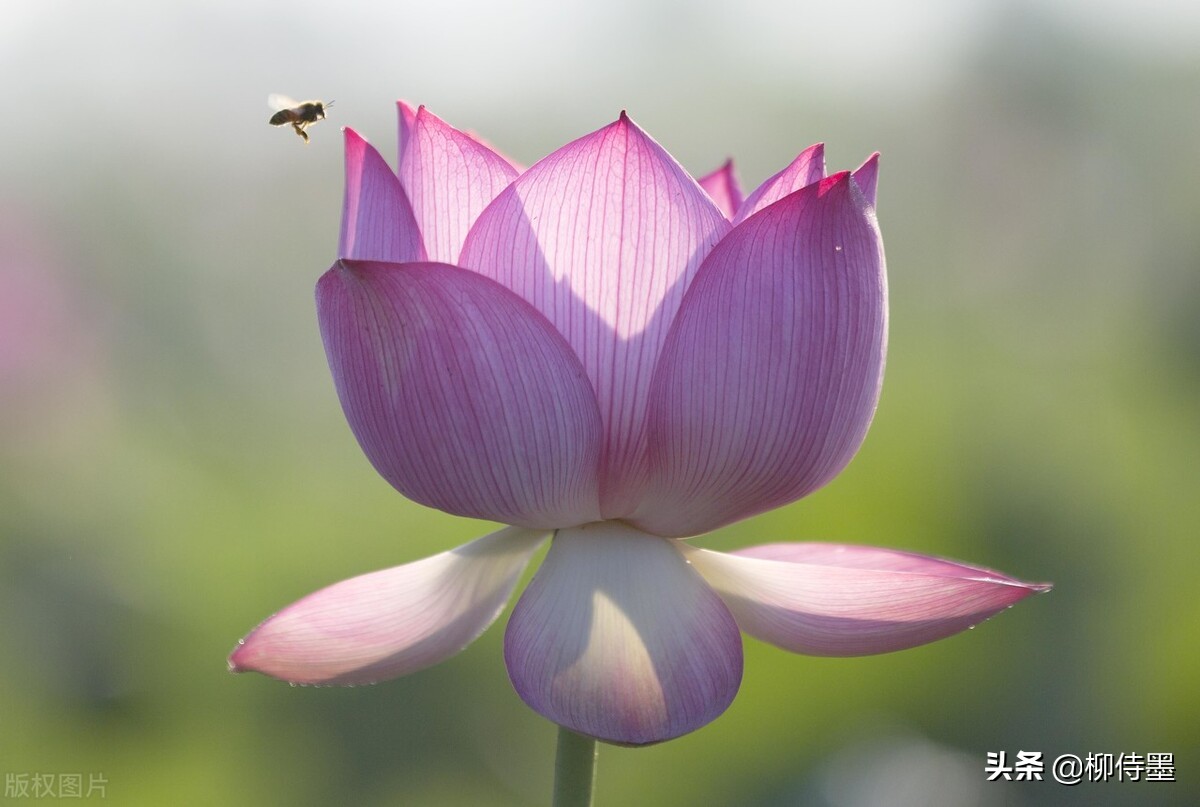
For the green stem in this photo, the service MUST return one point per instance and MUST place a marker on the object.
(574, 770)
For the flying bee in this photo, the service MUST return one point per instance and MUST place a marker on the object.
(301, 114)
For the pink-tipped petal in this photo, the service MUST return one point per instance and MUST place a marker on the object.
(393, 622)
(843, 600)
(771, 373)
(449, 176)
(478, 138)
(461, 394)
(407, 119)
(408, 116)
(723, 187)
(603, 237)
(377, 221)
(867, 177)
(618, 638)
(807, 168)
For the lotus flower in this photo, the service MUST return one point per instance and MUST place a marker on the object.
(604, 350)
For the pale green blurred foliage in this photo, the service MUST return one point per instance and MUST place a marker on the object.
(174, 464)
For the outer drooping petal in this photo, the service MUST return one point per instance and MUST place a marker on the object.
(394, 622)
(772, 370)
(461, 395)
(449, 176)
(723, 187)
(603, 237)
(618, 638)
(377, 221)
(807, 168)
(842, 600)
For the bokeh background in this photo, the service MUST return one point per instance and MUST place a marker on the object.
(174, 465)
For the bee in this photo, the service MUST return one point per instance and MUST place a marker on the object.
(301, 114)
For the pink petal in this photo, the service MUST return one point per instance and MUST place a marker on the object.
(723, 187)
(407, 114)
(867, 177)
(807, 168)
(842, 600)
(390, 623)
(603, 236)
(450, 178)
(377, 221)
(771, 373)
(618, 638)
(460, 393)
(478, 138)
(408, 117)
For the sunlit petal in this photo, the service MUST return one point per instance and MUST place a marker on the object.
(723, 187)
(393, 622)
(807, 168)
(867, 177)
(449, 176)
(377, 221)
(603, 237)
(618, 638)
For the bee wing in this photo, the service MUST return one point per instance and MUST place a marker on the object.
(277, 101)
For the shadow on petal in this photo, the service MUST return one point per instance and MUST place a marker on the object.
(618, 638)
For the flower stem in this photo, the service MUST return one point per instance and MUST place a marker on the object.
(574, 770)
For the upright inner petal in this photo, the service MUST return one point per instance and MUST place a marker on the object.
(377, 219)
(807, 168)
(603, 237)
(449, 176)
(723, 187)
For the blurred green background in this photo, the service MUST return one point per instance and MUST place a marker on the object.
(174, 465)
